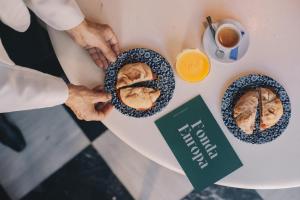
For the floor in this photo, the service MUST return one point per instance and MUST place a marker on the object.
(67, 159)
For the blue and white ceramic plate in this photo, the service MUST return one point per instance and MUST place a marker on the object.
(165, 81)
(239, 87)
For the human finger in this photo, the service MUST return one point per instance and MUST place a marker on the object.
(112, 40)
(95, 56)
(106, 50)
(98, 88)
(105, 110)
(116, 49)
(99, 97)
(102, 58)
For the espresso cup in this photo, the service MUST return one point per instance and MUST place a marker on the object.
(228, 36)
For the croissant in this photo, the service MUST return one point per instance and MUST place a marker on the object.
(245, 111)
(139, 98)
(271, 108)
(133, 73)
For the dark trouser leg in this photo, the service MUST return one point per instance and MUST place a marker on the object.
(10, 135)
(3, 194)
(30, 49)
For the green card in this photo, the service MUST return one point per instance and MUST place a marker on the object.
(198, 143)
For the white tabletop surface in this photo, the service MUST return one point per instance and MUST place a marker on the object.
(169, 26)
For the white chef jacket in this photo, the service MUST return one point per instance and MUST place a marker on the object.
(23, 88)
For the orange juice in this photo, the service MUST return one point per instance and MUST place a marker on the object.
(192, 65)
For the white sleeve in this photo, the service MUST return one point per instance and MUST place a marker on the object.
(15, 14)
(59, 14)
(22, 89)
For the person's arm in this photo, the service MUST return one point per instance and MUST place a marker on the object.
(15, 14)
(65, 15)
(23, 89)
(59, 14)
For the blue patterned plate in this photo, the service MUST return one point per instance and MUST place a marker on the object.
(236, 89)
(165, 81)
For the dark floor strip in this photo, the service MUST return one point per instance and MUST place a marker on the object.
(85, 177)
(91, 129)
(225, 193)
(3, 194)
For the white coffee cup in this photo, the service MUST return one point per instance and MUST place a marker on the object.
(228, 36)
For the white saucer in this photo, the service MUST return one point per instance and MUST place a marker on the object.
(210, 47)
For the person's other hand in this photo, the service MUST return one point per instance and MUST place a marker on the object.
(99, 40)
(83, 102)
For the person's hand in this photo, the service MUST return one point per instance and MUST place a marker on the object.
(99, 40)
(84, 103)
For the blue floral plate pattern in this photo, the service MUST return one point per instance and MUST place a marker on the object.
(236, 89)
(164, 81)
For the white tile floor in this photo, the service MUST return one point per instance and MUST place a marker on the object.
(53, 139)
(143, 178)
(280, 194)
(147, 180)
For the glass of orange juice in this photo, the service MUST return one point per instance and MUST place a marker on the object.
(192, 65)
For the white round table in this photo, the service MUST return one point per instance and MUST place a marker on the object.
(169, 26)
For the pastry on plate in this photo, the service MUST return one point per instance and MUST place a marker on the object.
(271, 108)
(245, 110)
(139, 98)
(133, 73)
